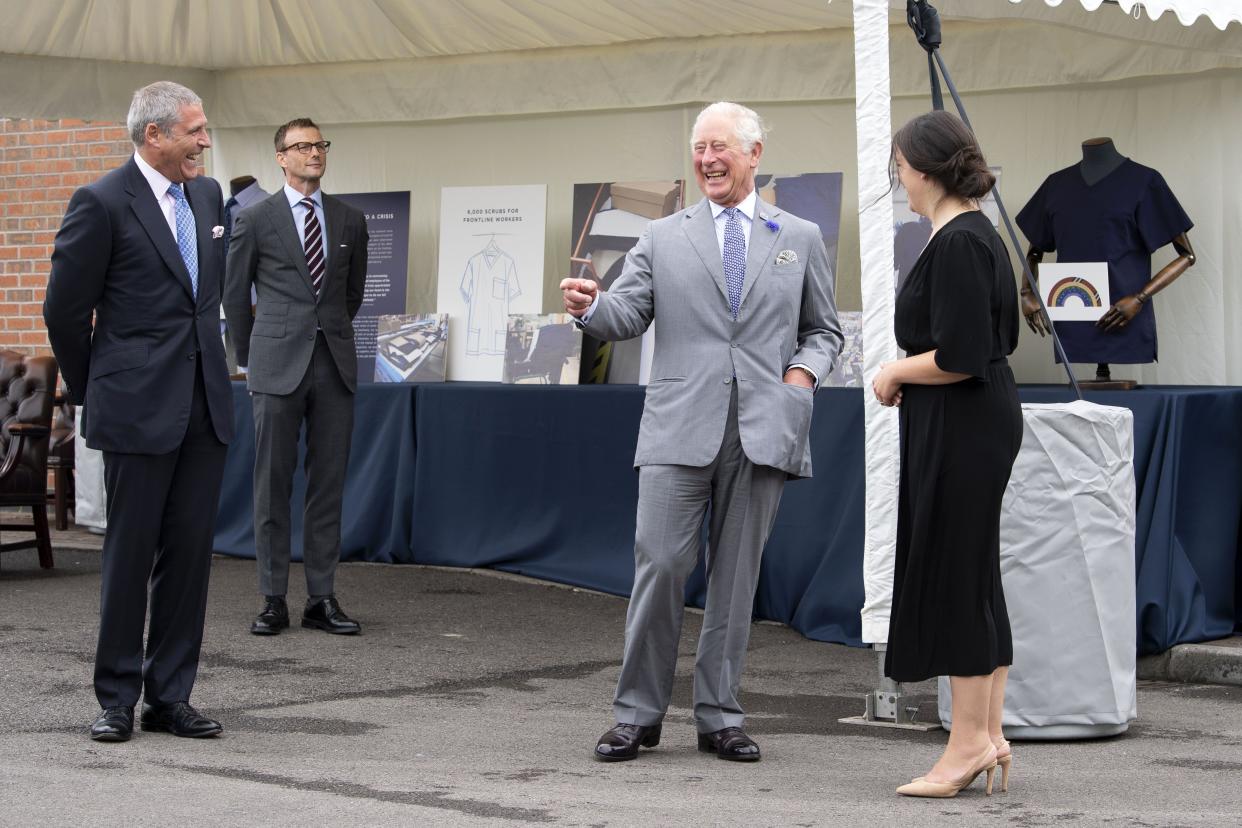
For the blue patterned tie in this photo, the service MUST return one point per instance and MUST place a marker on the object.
(734, 257)
(187, 238)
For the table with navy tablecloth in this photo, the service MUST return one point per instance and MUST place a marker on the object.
(538, 480)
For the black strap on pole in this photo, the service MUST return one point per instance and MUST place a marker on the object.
(925, 21)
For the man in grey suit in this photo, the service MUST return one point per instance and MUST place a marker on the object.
(741, 295)
(305, 253)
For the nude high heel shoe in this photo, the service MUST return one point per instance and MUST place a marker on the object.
(943, 790)
(1005, 762)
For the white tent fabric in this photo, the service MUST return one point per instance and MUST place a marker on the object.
(1220, 12)
(875, 232)
(355, 61)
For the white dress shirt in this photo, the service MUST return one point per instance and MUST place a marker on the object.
(299, 219)
(159, 188)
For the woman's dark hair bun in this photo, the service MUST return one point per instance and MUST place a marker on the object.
(939, 145)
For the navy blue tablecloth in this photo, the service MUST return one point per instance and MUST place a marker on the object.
(538, 480)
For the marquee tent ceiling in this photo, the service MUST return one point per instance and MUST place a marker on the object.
(356, 61)
(236, 34)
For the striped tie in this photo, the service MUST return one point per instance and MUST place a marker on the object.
(313, 245)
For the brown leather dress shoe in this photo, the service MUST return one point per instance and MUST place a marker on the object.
(115, 724)
(621, 742)
(730, 743)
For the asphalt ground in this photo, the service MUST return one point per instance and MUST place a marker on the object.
(475, 699)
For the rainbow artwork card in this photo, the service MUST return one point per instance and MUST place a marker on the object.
(1075, 291)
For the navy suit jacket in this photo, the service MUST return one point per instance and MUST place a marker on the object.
(115, 257)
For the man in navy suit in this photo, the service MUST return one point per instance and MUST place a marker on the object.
(141, 251)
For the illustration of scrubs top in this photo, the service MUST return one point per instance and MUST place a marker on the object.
(489, 283)
(1121, 219)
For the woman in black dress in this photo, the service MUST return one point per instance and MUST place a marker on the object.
(961, 425)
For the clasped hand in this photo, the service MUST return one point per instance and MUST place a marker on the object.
(886, 386)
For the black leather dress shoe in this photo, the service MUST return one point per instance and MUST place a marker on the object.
(115, 724)
(730, 743)
(621, 741)
(179, 719)
(326, 614)
(273, 618)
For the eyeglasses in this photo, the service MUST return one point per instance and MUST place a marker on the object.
(304, 148)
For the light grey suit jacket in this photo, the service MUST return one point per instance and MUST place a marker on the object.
(674, 277)
(275, 345)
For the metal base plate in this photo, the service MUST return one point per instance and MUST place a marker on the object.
(922, 727)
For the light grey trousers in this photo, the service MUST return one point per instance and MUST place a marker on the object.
(327, 405)
(672, 502)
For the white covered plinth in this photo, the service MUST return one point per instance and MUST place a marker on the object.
(1067, 562)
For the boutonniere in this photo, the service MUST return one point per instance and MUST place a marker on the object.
(217, 232)
(768, 223)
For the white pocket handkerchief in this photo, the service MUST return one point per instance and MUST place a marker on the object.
(217, 232)
(786, 256)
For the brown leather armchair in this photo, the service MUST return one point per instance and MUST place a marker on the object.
(60, 460)
(27, 390)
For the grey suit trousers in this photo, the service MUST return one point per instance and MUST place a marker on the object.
(327, 406)
(672, 502)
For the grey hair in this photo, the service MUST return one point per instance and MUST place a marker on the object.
(158, 103)
(748, 127)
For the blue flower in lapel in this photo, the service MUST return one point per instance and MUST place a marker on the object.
(767, 222)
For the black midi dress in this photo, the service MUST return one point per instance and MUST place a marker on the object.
(958, 445)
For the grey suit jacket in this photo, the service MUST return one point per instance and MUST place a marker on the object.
(275, 345)
(674, 278)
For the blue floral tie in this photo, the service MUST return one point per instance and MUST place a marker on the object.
(187, 237)
(734, 258)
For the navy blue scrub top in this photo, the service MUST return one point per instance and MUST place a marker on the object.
(1121, 219)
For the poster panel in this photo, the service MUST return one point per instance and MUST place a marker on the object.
(815, 197)
(388, 264)
(491, 265)
(608, 218)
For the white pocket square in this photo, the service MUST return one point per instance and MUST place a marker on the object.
(786, 256)
(217, 232)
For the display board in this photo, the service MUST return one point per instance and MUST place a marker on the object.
(388, 264)
(491, 265)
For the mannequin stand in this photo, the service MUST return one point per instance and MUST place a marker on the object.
(1104, 381)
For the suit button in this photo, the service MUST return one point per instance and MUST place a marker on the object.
(728, 380)
(190, 356)
(310, 336)
(733, 345)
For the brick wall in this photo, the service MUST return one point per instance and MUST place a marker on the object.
(41, 164)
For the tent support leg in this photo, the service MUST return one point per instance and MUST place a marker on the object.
(885, 705)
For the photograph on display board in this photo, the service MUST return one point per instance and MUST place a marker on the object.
(848, 370)
(491, 265)
(411, 347)
(911, 232)
(815, 197)
(542, 349)
(608, 218)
